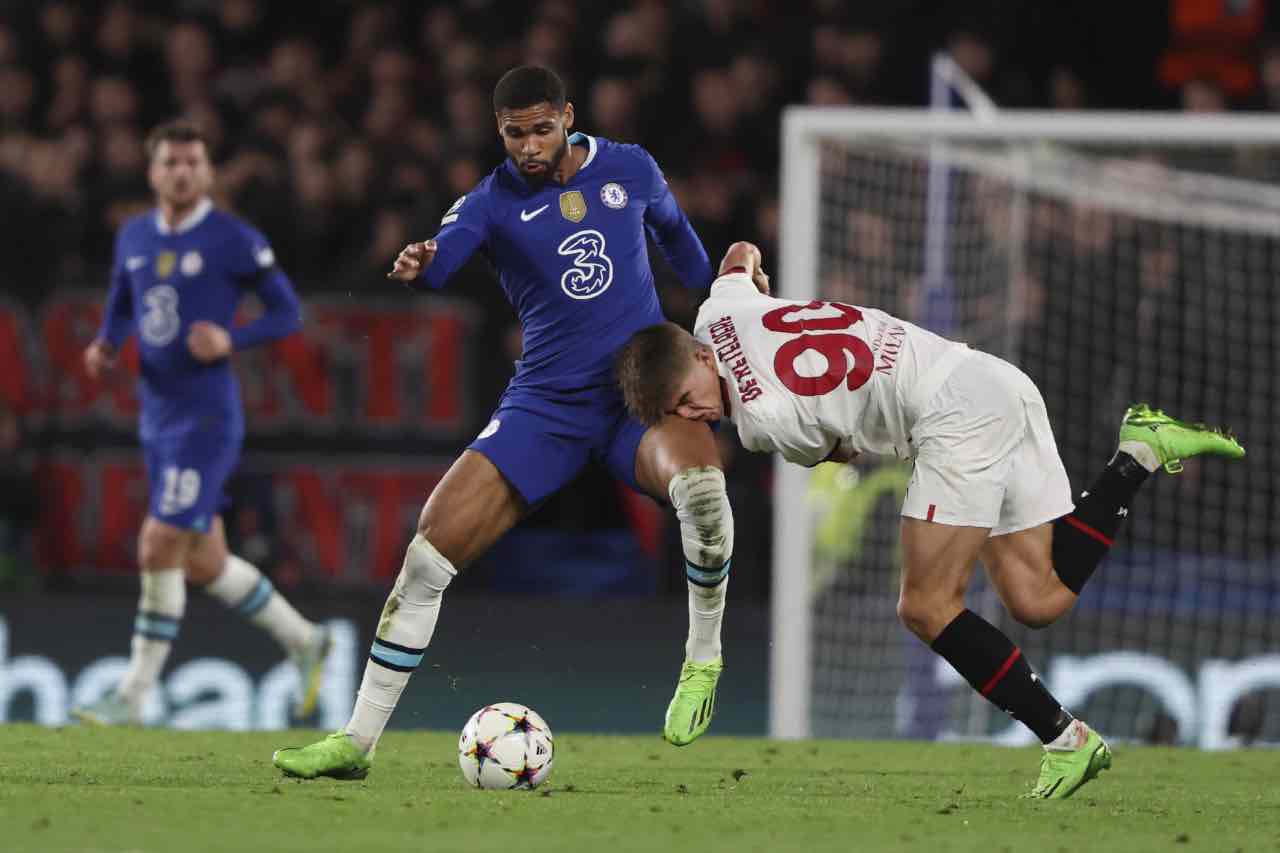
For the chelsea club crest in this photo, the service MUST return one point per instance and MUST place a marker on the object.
(613, 195)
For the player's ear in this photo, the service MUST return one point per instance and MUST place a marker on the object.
(568, 115)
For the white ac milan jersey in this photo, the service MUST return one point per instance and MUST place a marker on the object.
(803, 377)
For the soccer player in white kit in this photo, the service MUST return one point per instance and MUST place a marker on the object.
(823, 381)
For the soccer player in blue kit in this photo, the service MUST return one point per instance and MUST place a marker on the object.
(178, 274)
(564, 221)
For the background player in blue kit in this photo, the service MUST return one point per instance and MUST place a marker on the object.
(178, 274)
(563, 221)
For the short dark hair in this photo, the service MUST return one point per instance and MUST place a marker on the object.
(177, 130)
(526, 86)
(650, 366)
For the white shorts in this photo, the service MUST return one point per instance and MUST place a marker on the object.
(985, 454)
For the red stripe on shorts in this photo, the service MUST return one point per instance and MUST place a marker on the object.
(1087, 530)
(929, 517)
(1000, 673)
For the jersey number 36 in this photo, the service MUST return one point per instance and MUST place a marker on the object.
(832, 347)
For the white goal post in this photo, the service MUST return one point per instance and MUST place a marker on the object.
(1061, 159)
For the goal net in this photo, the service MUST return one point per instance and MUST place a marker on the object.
(1114, 258)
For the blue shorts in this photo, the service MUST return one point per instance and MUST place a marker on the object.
(187, 474)
(541, 439)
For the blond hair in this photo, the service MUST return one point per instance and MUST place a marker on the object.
(650, 366)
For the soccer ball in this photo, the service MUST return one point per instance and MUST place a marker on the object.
(505, 745)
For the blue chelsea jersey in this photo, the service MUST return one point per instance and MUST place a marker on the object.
(572, 258)
(165, 279)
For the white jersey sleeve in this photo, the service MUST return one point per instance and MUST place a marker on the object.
(804, 376)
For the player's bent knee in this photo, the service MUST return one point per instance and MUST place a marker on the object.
(439, 537)
(454, 541)
(701, 503)
(924, 615)
(161, 547)
(205, 565)
(912, 616)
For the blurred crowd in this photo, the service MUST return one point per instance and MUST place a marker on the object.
(344, 132)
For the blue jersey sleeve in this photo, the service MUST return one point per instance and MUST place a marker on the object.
(117, 316)
(255, 265)
(464, 228)
(671, 230)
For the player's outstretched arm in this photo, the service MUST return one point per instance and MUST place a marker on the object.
(463, 229)
(410, 263)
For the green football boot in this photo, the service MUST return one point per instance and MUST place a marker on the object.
(336, 756)
(1062, 772)
(309, 661)
(1173, 440)
(691, 709)
(111, 709)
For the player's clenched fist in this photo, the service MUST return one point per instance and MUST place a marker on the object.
(208, 342)
(747, 255)
(413, 260)
(741, 254)
(99, 357)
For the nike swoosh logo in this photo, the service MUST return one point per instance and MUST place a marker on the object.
(134, 263)
(526, 215)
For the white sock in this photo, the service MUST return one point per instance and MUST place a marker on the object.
(1142, 452)
(706, 611)
(404, 631)
(246, 591)
(1072, 737)
(161, 603)
(706, 535)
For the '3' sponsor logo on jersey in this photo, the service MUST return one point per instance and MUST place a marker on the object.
(592, 270)
(160, 322)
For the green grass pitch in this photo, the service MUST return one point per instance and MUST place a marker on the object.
(152, 790)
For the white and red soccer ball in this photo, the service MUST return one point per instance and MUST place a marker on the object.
(505, 745)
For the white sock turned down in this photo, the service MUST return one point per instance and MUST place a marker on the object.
(404, 632)
(706, 535)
